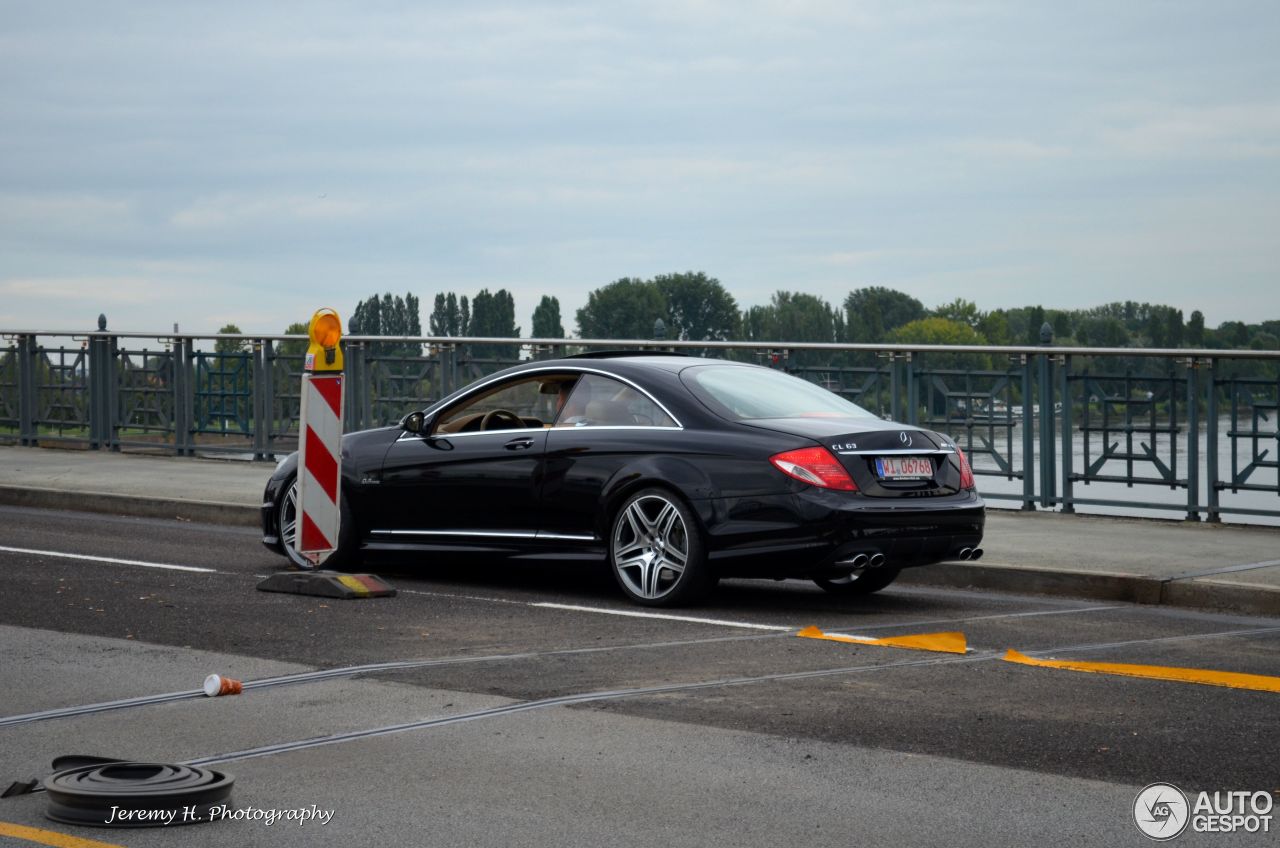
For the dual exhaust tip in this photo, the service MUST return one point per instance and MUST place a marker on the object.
(877, 559)
(863, 561)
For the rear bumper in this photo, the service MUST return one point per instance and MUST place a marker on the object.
(816, 532)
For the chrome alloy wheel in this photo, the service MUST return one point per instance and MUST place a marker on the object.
(289, 527)
(650, 547)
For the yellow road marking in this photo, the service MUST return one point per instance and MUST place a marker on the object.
(943, 643)
(50, 837)
(1207, 677)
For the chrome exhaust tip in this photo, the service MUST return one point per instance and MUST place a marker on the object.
(860, 561)
(976, 553)
(877, 560)
(965, 553)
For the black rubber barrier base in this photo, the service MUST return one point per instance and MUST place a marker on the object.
(328, 584)
(127, 794)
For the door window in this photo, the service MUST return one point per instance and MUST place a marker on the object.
(603, 402)
(530, 402)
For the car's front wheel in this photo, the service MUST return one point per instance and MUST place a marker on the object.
(343, 559)
(656, 551)
(864, 581)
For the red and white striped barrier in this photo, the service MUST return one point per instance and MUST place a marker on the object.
(319, 465)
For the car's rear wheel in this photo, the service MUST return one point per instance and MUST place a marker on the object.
(863, 581)
(343, 559)
(656, 551)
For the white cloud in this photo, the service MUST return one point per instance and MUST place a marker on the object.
(64, 211)
(240, 210)
(1226, 130)
(1003, 149)
(104, 289)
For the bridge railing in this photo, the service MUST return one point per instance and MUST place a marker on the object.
(1189, 431)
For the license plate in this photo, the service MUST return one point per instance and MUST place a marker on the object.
(904, 468)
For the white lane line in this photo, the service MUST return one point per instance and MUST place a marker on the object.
(725, 623)
(111, 560)
(634, 614)
(456, 596)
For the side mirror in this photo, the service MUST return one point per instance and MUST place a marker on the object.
(415, 422)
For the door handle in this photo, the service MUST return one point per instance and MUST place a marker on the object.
(519, 444)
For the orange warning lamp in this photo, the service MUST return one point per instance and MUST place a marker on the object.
(324, 354)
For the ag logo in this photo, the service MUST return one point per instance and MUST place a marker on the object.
(905, 438)
(1161, 811)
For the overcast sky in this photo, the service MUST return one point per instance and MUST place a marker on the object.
(249, 162)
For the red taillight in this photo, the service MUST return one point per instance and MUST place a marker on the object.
(815, 466)
(966, 473)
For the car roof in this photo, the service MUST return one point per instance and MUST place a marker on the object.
(623, 361)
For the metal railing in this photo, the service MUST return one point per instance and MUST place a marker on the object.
(1044, 426)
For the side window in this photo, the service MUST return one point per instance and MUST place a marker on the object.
(603, 402)
(506, 407)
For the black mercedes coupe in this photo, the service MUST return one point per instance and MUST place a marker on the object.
(673, 470)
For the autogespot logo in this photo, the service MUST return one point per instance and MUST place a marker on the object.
(1161, 811)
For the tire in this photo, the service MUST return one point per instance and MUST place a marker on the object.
(345, 558)
(657, 553)
(864, 581)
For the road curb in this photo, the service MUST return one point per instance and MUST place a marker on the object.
(1251, 599)
(112, 503)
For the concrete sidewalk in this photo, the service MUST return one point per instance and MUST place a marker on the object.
(1141, 560)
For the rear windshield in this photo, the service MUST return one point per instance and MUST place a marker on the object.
(745, 394)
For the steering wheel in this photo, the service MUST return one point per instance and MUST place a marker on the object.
(501, 416)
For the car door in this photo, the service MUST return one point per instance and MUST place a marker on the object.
(605, 426)
(474, 475)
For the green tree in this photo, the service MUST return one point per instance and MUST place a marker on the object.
(230, 345)
(1156, 327)
(494, 315)
(1035, 320)
(294, 347)
(447, 316)
(388, 316)
(1264, 341)
(874, 311)
(1177, 327)
(1102, 331)
(795, 317)
(698, 307)
(1195, 329)
(546, 319)
(994, 327)
(960, 310)
(1061, 325)
(943, 331)
(1233, 334)
(623, 309)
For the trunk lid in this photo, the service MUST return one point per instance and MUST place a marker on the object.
(884, 458)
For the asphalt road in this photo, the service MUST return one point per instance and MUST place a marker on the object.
(716, 726)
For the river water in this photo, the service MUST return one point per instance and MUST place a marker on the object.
(1145, 492)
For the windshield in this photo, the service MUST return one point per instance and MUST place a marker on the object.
(745, 394)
